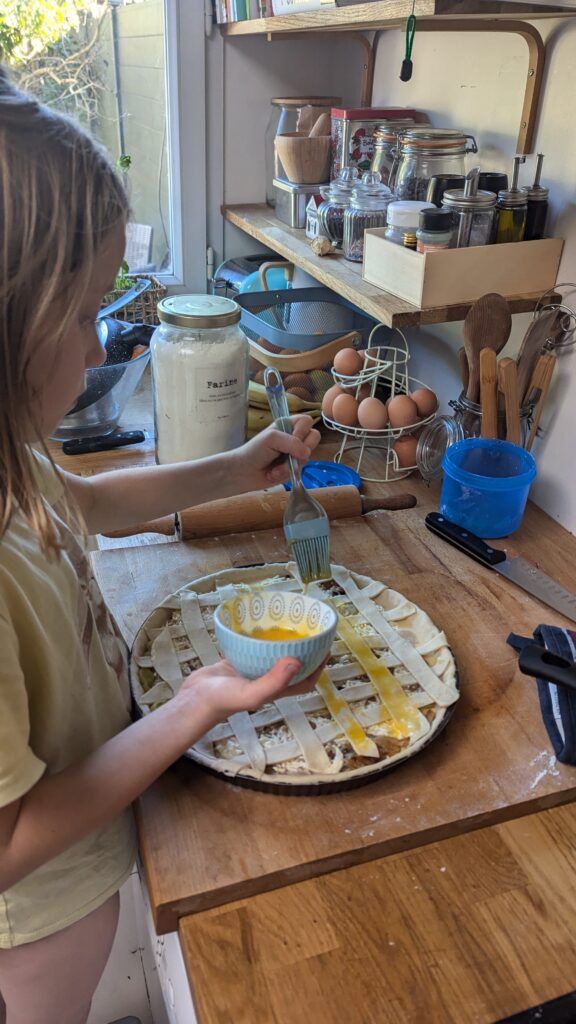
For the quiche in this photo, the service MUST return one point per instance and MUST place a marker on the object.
(388, 688)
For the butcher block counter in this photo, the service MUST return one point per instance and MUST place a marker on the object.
(286, 887)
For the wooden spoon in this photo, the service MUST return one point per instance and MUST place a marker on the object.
(508, 381)
(546, 325)
(487, 325)
(322, 126)
(489, 392)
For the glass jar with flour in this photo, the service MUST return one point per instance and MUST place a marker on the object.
(199, 359)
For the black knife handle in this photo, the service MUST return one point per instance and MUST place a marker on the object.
(536, 661)
(463, 539)
(102, 443)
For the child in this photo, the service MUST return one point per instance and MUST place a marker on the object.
(70, 762)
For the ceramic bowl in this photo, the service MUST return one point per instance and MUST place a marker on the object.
(268, 609)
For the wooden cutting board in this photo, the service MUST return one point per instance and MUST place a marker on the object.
(205, 842)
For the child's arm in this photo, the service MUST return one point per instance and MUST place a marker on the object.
(113, 501)
(61, 809)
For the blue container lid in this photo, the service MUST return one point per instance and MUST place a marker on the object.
(327, 474)
(514, 467)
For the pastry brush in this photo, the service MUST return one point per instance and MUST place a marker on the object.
(306, 525)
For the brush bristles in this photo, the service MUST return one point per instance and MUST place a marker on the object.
(312, 556)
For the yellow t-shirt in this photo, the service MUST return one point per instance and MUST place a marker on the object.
(63, 692)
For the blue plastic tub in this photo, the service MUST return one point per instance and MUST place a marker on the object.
(486, 484)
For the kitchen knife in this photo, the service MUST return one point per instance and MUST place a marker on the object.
(517, 570)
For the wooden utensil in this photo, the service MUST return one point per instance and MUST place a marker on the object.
(508, 382)
(487, 325)
(547, 325)
(489, 392)
(541, 380)
(322, 126)
(264, 510)
(463, 364)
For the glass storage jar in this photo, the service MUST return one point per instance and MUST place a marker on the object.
(336, 197)
(472, 216)
(435, 230)
(402, 217)
(199, 359)
(367, 209)
(290, 114)
(424, 153)
(385, 149)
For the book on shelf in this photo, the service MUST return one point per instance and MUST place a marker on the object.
(301, 6)
(227, 11)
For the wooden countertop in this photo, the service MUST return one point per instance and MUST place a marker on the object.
(465, 931)
(266, 923)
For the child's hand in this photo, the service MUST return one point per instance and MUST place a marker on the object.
(222, 691)
(262, 461)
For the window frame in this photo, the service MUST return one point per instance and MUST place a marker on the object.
(185, 59)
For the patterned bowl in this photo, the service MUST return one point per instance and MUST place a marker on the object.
(264, 611)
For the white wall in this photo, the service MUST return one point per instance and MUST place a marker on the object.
(476, 82)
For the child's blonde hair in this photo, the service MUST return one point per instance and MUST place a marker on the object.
(59, 198)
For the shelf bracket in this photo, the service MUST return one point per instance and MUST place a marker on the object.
(367, 66)
(536, 60)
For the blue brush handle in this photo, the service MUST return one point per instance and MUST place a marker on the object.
(279, 408)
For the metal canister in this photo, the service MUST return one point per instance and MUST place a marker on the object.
(353, 131)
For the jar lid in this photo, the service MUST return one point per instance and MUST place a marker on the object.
(478, 201)
(435, 220)
(388, 131)
(305, 101)
(433, 443)
(450, 139)
(512, 197)
(340, 189)
(370, 193)
(405, 212)
(198, 311)
(537, 193)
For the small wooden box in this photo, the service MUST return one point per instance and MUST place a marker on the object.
(450, 276)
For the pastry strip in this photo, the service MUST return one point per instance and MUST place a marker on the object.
(342, 713)
(247, 737)
(197, 633)
(313, 751)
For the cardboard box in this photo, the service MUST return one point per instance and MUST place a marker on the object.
(450, 276)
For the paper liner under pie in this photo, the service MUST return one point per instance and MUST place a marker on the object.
(388, 689)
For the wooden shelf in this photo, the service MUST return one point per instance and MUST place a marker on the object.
(344, 277)
(383, 14)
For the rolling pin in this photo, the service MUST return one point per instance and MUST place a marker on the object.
(261, 511)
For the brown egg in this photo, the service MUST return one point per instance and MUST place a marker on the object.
(345, 410)
(372, 414)
(363, 392)
(402, 411)
(328, 401)
(405, 448)
(298, 380)
(300, 393)
(426, 401)
(269, 346)
(348, 362)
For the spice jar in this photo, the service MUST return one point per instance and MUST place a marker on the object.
(336, 198)
(472, 216)
(424, 153)
(199, 359)
(403, 217)
(435, 230)
(367, 209)
(289, 114)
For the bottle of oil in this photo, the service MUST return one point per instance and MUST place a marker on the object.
(537, 197)
(512, 209)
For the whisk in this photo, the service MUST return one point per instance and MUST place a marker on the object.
(306, 526)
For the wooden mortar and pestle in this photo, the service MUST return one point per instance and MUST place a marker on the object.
(306, 158)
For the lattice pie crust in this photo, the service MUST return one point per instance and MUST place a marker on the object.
(374, 706)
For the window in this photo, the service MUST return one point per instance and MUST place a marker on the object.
(105, 62)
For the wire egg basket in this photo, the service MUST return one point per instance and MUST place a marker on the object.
(384, 367)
